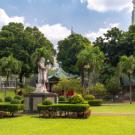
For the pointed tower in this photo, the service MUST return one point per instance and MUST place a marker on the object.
(133, 13)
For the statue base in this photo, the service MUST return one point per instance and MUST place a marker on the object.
(31, 100)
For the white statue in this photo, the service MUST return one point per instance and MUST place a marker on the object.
(42, 76)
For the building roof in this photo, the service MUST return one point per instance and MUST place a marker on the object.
(59, 73)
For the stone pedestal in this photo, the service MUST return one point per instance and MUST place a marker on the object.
(31, 100)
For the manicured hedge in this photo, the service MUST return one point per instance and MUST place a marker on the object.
(96, 102)
(10, 108)
(64, 110)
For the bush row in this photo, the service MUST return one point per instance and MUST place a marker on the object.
(64, 110)
(16, 100)
(11, 109)
(96, 102)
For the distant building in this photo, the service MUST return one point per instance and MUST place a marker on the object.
(133, 13)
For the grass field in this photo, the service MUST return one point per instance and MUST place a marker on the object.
(95, 125)
(10, 93)
(115, 108)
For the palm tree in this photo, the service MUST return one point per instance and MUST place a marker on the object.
(42, 52)
(91, 60)
(127, 66)
(9, 65)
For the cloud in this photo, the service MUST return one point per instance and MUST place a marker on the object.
(55, 32)
(5, 19)
(108, 5)
(93, 35)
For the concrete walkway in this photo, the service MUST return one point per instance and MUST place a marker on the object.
(112, 114)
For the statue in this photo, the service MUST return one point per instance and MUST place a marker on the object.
(42, 76)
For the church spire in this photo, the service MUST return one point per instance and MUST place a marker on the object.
(133, 12)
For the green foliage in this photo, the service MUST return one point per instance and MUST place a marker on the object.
(8, 99)
(9, 65)
(62, 98)
(77, 99)
(98, 90)
(47, 102)
(1, 100)
(91, 60)
(111, 45)
(89, 97)
(69, 48)
(42, 52)
(96, 102)
(22, 42)
(113, 86)
(18, 97)
(68, 85)
(27, 89)
(66, 110)
(16, 101)
(127, 66)
(11, 108)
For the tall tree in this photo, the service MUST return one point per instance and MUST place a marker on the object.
(92, 60)
(22, 43)
(68, 49)
(110, 45)
(127, 66)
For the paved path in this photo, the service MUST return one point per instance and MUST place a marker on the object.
(112, 114)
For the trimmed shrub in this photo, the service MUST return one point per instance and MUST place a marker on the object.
(63, 102)
(16, 101)
(10, 108)
(65, 110)
(62, 98)
(96, 102)
(77, 99)
(8, 99)
(47, 102)
(18, 97)
(89, 97)
(27, 89)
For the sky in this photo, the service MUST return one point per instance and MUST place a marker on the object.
(55, 18)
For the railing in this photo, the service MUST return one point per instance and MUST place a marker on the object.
(8, 84)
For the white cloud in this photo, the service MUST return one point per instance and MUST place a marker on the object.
(93, 35)
(5, 19)
(55, 32)
(108, 5)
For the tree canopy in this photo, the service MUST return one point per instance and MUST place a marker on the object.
(22, 42)
(68, 49)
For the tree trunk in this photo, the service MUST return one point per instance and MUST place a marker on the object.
(82, 77)
(21, 78)
(130, 89)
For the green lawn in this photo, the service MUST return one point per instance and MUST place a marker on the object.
(115, 108)
(10, 93)
(95, 125)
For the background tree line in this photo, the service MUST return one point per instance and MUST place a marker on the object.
(105, 60)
